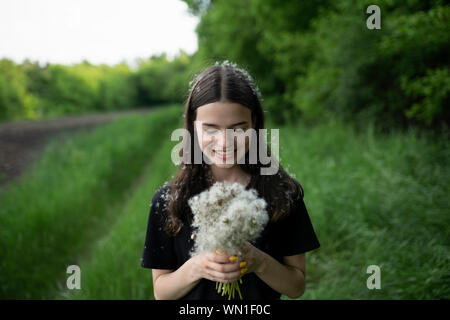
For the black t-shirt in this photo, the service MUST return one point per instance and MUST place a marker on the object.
(290, 236)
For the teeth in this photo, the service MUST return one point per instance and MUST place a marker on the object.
(224, 154)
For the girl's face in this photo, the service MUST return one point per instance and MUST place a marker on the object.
(211, 123)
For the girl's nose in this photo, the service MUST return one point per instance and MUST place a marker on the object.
(225, 142)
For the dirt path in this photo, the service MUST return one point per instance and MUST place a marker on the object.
(22, 142)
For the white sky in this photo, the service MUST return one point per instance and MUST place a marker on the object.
(100, 31)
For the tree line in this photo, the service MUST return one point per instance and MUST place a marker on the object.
(315, 60)
(29, 90)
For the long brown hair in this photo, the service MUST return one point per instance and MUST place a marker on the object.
(226, 83)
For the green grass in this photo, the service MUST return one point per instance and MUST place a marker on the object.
(112, 269)
(372, 199)
(72, 195)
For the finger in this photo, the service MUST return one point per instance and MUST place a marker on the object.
(222, 267)
(219, 280)
(209, 276)
(222, 258)
(218, 258)
(223, 277)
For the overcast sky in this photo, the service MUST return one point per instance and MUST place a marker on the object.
(101, 31)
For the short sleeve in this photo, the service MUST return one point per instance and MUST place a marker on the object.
(298, 235)
(158, 248)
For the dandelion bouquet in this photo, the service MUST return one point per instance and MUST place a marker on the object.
(226, 216)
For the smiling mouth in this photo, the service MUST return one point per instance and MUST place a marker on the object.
(223, 155)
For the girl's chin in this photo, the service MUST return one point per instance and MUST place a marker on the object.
(221, 163)
(224, 165)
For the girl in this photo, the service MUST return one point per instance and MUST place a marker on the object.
(225, 96)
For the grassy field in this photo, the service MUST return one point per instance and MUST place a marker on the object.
(373, 200)
(70, 198)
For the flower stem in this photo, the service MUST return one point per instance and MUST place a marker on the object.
(229, 288)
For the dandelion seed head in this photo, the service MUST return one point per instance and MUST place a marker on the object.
(226, 216)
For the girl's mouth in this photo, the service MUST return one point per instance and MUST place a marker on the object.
(223, 155)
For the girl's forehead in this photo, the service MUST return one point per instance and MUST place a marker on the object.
(223, 112)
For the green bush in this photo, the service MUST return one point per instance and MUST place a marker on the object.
(432, 96)
(159, 80)
(71, 90)
(116, 88)
(15, 102)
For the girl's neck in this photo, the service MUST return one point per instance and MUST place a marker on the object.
(233, 174)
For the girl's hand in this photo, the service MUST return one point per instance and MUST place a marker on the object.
(217, 267)
(252, 259)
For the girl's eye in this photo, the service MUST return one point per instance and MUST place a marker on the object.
(211, 131)
(215, 131)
